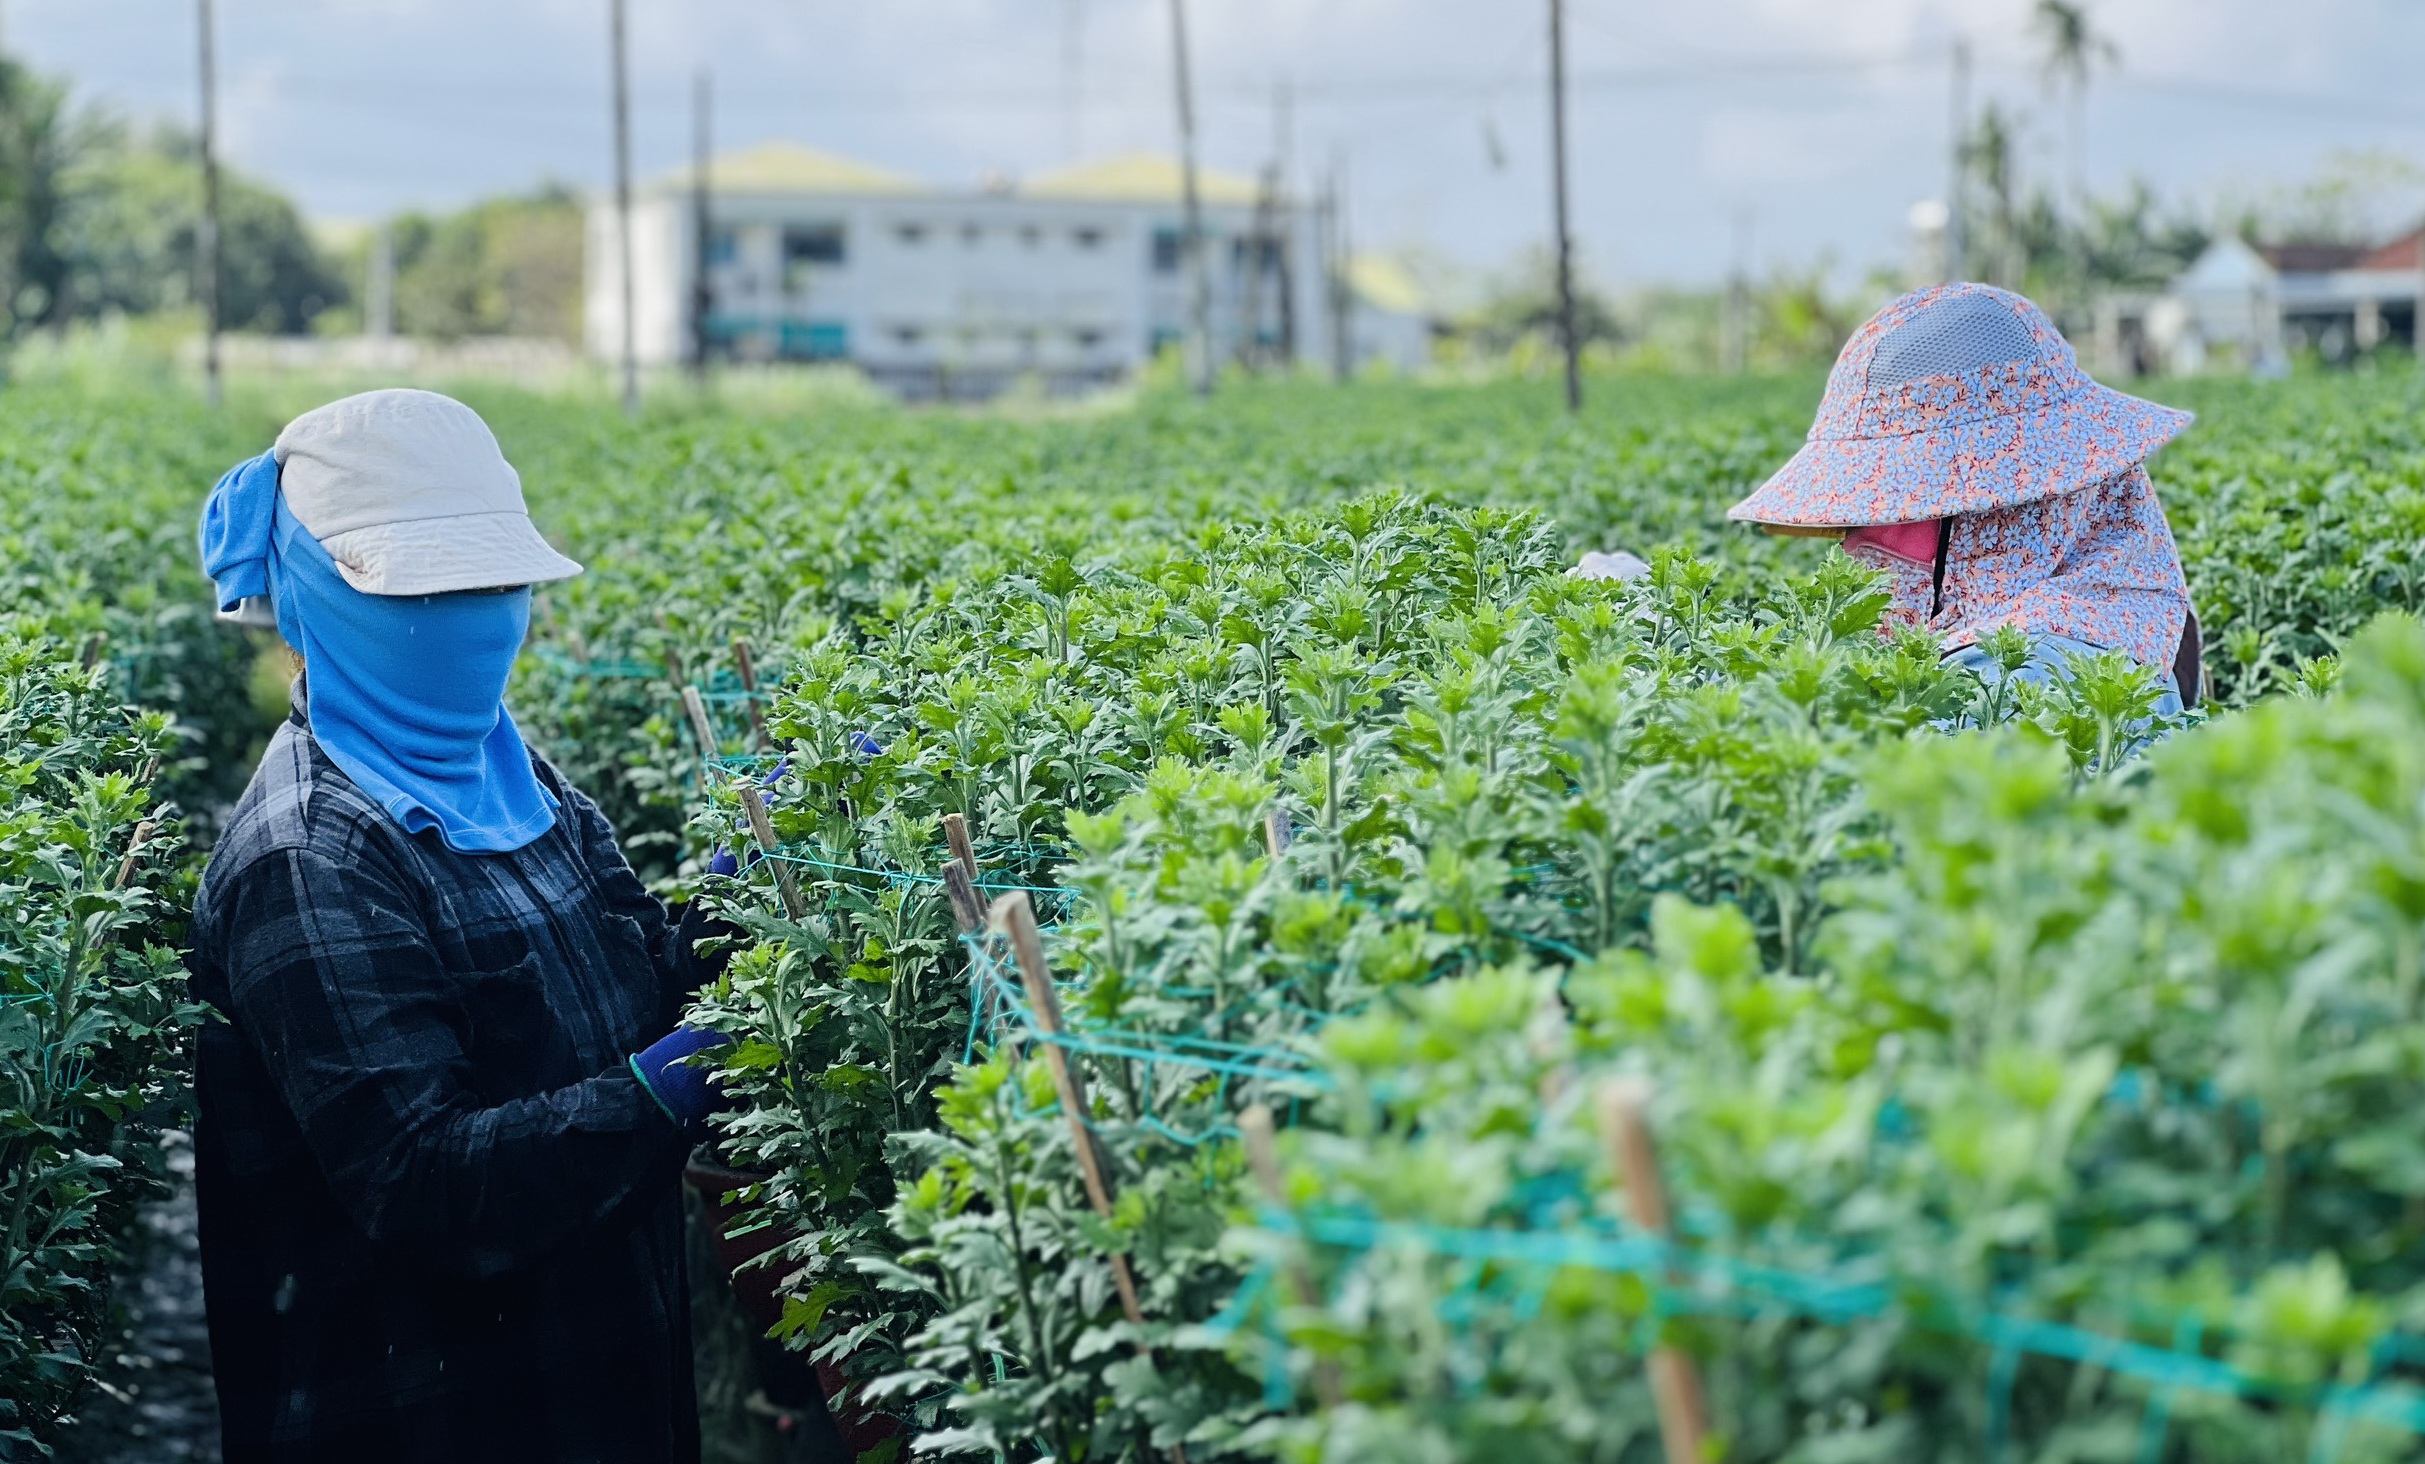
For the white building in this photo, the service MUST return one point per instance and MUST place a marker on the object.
(2255, 305)
(1073, 279)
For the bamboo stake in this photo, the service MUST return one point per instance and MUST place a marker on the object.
(1013, 915)
(673, 657)
(134, 847)
(746, 666)
(966, 908)
(763, 828)
(1675, 1384)
(695, 707)
(1263, 1158)
(955, 834)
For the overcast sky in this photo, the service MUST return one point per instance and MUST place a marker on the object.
(1818, 123)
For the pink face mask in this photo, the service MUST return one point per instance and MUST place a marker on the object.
(1914, 543)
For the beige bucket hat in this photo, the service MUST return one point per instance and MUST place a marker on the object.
(410, 495)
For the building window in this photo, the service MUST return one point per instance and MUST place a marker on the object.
(911, 234)
(1089, 238)
(1169, 244)
(815, 340)
(723, 246)
(908, 335)
(1089, 338)
(807, 247)
(814, 244)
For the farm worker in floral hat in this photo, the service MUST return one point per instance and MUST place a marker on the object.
(1961, 449)
(444, 1116)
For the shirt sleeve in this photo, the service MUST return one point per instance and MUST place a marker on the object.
(332, 979)
(680, 971)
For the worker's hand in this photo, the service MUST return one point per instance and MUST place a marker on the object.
(687, 1090)
(696, 969)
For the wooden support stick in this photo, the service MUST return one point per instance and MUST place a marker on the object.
(134, 847)
(1014, 915)
(763, 829)
(1675, 1384)
(695, 707)
(1263, 1158)
(966, 908)
(92, 648)
(955, 834)
(1278, 832)
(747, 668)
(673, 657)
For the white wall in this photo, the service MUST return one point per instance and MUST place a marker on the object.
(975, 285)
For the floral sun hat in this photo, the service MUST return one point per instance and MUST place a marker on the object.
(1952, 400)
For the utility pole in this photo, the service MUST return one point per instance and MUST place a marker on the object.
(1339, 289)
(1734, 347)
(1957, 183)
(1283, 144)
(1557, 163)
(1073, 55)
(702, 290)
(379, 292)
(1261, 246)
(1199, 287)
(206, 233)
(623, 204)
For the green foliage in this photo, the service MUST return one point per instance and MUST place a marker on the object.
(2011, 1017)
(127, 238)
(503, 266)
(2137, 1061)
(92, 1022)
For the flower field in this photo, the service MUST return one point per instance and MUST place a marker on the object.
(2015, 1096)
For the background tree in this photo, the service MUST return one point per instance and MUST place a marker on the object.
(2073, 49)
(38, 143)
(1988, 155)
(128, 233)
(505, 266)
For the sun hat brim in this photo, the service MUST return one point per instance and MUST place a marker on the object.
(2086, 436)
(441, 555)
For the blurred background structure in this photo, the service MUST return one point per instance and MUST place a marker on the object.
(953, 198)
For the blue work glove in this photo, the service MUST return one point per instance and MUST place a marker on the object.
(693, 969)
(680, 1087)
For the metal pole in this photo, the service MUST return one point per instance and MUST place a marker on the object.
(1957, 183)
(1199, 287)
(623, 206)
(1557, 155)
(1282, 147)
(379, 292)
(702, 292)
(1073, 56)
(1342, 289)
(1735, 344)
(206, 233)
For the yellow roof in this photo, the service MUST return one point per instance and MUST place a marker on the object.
(787, 167)
(1141, 176)
(1384, 280)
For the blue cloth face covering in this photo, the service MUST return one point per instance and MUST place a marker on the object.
(407, 691)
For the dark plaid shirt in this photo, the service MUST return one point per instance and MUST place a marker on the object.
(440, 1219)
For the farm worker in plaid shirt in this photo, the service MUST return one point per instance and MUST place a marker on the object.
(1961, 450)
(444, 1117)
